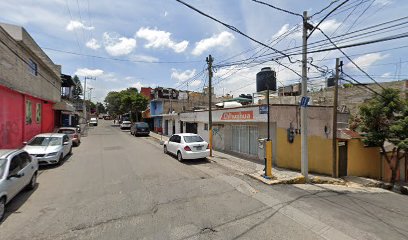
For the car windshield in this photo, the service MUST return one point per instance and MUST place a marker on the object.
(2, 166)
(66, 131)
(142, 125)
(191, 139)
(45, 141)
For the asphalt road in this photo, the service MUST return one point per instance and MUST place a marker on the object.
(116, 186)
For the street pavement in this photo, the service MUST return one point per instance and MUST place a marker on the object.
(116, 186)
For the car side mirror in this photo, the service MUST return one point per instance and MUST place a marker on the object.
(18, 175)
(66, 143)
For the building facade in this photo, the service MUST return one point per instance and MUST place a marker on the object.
(30, 85)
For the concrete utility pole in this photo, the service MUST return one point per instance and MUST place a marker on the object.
(84, 103)
(303, 110)
(334, 128)
(209, 62)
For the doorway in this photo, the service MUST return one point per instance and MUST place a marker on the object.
(342, 148)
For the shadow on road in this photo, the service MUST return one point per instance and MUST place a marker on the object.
(52, 166)
(14, 205)
(196, 161)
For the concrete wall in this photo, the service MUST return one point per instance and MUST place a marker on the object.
(363, 161)
(15, 74)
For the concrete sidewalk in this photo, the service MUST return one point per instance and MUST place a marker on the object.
(255, 170)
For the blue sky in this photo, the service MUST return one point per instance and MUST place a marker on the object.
(157, 32)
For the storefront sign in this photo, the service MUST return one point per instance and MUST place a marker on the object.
(243, 115)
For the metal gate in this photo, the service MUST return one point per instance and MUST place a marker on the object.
(245, 139)
(342, 149)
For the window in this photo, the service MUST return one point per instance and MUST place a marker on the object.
(67, 131)
(32, 67)
(15, 165)
(177, 139)
(191, 139)
(205, 127)
(2, 166)
(38, 113)
(28, 112)
(65, 138)
(173, 138)
(45, 141)
(25, 159)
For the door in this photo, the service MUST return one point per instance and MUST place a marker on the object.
(174, 127)
(166, 127)
(26, 167)
(171, 143)
(14, 184)
(181, 126)
(191, 128)
(176, 143)
(67, 147)
(342, 158)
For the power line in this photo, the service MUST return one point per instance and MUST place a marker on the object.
(324, 9)
(118, 59)
(350, 59)
(278, 8)
(241, 33)
(327, 15)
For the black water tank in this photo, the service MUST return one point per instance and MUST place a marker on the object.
(330, 81)
(266, 77)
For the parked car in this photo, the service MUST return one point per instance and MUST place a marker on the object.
(93, 121)
(187, 146)
(18, 170)
(107, 117)
(125, 125)
(140, 128)
(49, 148)
(72, 133)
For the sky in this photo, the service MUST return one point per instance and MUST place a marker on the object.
(135, 43)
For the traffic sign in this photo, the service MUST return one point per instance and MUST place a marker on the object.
(304, 101)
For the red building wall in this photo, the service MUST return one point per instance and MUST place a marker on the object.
(11, 118)
(15, 128)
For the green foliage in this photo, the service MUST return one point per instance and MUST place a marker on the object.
(347, 85)
(127, 100)
(77, 90)
(100, 108)
(385, 119)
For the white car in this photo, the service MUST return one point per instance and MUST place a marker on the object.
(93, 121)
(18, 170)
(125, 125)
(49, 148)
(187, 146)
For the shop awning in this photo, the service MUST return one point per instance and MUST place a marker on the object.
(64, 106)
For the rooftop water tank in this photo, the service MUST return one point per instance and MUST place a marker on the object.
(266, 78)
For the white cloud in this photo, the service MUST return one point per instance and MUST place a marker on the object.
(182, 76)
(160, 39)
(143, 58)
(116, 45)
(386, 75)
(166, 13)
(281, 31)
(330, 25)
(93, 44)
(222, 39)
(137, 85)
(195, 83)
(367, 60)
(85, 72)
(72, 25)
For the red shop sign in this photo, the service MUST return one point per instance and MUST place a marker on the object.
(243, 115)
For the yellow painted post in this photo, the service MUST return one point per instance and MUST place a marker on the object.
(268, 171)
(211, 141)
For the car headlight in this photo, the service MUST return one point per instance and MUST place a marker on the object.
(52, 154)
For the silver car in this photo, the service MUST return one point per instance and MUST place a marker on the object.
(17, 170)
(49, 148)
(72, 133)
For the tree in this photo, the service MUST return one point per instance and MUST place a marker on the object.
(385, 119)
(100, 108)
(125, 101)
(77, 90)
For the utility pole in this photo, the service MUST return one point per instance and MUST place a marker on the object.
(303, 110)
(334, 128)
(84, 103)
(209, 62)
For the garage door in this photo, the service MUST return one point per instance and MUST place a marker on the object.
(245, 139)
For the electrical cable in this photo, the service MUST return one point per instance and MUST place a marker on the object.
(278, 8)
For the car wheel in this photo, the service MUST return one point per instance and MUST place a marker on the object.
(2, 208)
(179, 157)
(33, 182)
(61, 158)
(165, 150)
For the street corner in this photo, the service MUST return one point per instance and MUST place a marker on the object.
(278, 178)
